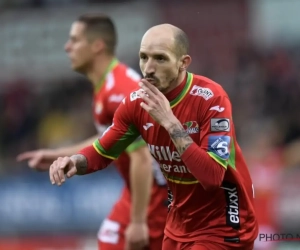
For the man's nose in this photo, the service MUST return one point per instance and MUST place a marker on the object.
(149, 67)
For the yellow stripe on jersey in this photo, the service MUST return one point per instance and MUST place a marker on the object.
(178, 180)
(101, 151)
(219, 160)
(185, 90)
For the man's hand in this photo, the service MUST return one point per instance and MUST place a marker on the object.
(156, 104)
(39, 159)
(136, 236)
(60, 167)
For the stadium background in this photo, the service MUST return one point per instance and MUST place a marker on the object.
(250, 47)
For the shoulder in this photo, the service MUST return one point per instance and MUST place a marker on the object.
(132, 99)
(134, 96)
(122, 80)
(206, 88)
(126, 73)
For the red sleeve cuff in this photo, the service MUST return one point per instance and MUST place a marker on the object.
(95, 161)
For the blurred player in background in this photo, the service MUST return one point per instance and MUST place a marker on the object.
(186, 119)
(134, 221)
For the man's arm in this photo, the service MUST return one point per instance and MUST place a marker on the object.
(204, 163)
(115, 139)
(179, 136)
(42, 158)
(207, 171)
(141, 178)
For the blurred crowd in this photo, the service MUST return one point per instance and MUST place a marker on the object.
(55, 116)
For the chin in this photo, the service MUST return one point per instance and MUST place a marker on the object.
(79, 69)
(161, 89)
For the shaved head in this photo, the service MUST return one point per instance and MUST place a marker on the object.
(171, 35)
(164, 56)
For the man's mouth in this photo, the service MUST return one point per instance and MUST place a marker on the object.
(151, 80)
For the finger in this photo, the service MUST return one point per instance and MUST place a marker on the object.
(71, 172)
(35, 161)
(61, 174)
(150, 86)
(145, 106)
(56, 177)
(145, 86)
(51, 175)
(146, 98)
(64, 162)
(55, 171)
(25, 155)
(67, 166)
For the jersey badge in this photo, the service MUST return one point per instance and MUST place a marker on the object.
(206, 93)
(191, 127)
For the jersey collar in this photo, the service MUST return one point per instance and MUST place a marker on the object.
(114, 62)
(188, 82)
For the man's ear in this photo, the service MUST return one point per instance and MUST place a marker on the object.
(98, 45)
(185, 62)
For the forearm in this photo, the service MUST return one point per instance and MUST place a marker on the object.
(80, 163)
(141, 178)
(207, 171)
(73, 149)
(179, 136)
(92, 161)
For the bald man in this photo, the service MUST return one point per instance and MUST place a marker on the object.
(186, 120)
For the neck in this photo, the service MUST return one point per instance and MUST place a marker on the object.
(98, 68)
(176, 82)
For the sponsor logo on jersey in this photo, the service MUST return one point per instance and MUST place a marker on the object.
(174, 168)
(232, 205)
(219, 146)
(219, 124)
(191, 127)
(206, 93)
(134, 95)
(162, 153)
(148, 125)
(217, 108)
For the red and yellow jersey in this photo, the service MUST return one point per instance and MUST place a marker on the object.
(226, 214)
(119, 82)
